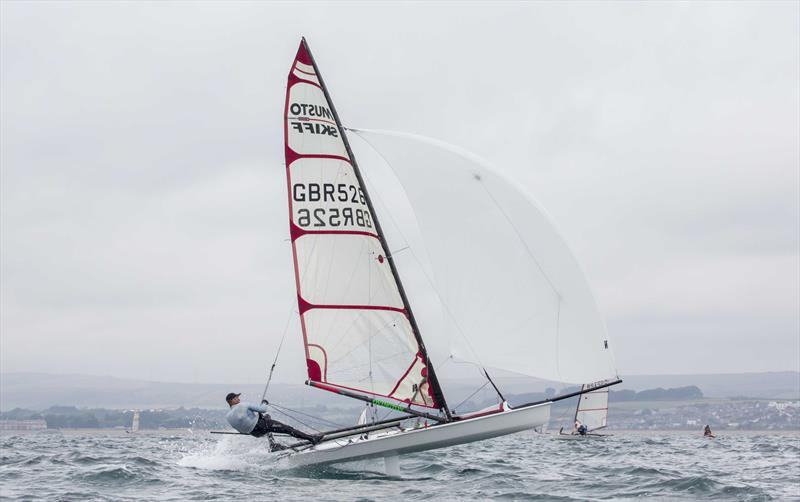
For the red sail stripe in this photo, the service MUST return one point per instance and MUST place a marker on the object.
(405, 375)
(303, 71)
(296, 232)
(291, 155)
(294, 80)
(305, 306)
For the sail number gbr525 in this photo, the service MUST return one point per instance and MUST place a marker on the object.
(324, 196)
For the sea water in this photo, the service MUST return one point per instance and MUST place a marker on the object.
(195, 465)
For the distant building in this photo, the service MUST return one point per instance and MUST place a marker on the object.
(783, 405)
(22, 425)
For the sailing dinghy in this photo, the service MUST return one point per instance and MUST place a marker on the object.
(362, 339)
(591, 411)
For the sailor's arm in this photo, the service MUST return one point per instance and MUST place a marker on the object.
(260, 408)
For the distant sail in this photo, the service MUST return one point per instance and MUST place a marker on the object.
(135, 421)
(592, 408)
(356, 325)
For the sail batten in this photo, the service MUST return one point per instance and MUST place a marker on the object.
(359, 331)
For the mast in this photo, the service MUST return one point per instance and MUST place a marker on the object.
(578, 407)
(432, 379)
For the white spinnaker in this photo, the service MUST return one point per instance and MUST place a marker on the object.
(511, 286)
(592, 408)
(356, 328)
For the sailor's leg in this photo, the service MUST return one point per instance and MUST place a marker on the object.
(261, 428)
(281, 428)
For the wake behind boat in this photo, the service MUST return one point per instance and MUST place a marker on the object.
(362, 339)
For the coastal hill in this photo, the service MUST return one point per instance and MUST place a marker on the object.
(40, 390)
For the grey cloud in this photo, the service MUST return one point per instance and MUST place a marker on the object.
(143, 214)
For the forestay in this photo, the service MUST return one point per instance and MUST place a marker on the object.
(357, 328)
(592, 408)
(514, 295)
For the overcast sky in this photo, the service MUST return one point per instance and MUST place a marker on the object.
(143, 218)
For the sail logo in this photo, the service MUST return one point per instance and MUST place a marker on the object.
(312, 119)
(314, 128)
(308, 110)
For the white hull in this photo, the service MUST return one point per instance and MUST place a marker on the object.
(396, 442)
(579, 437)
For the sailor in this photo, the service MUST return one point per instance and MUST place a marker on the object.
(707, 432)
(580, 428)
(252, 419)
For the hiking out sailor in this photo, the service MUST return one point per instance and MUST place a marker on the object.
(253, 419)
(581, 428)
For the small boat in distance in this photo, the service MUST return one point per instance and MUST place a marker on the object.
(535, 311)
(591, 413)
(134, 422)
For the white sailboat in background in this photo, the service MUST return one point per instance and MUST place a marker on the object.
(503, 280)
(134, 422)
(591, 413)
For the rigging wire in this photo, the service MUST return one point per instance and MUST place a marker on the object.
(321, 420)
(563, 414)
(470, 396)
(298, 421)
(278, 353)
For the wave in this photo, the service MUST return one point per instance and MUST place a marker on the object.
(520, 467)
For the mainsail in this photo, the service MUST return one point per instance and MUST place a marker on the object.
(592, 408)
(135, 421)
(359, 332)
